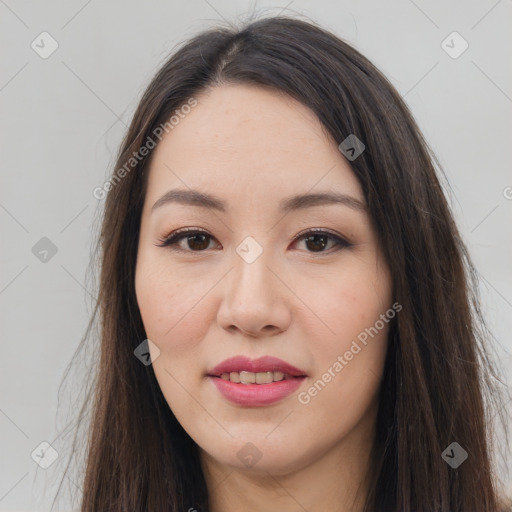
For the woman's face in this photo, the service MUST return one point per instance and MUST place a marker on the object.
(260, 280)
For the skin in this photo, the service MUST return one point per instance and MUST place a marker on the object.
(253, 147)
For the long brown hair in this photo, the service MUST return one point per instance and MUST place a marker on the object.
(439, 380)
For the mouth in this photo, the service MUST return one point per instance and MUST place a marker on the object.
(256, 382)
(246, 377)
(265, 370)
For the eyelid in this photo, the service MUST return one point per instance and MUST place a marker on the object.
(341, 242)
(172, 238)
(178, 235)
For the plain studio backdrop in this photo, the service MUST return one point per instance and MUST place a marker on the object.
(71, 74)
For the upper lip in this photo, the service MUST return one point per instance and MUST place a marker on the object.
(263, 364)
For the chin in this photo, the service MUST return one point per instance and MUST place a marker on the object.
(266, 458)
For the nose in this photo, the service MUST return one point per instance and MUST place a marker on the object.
(255, 301)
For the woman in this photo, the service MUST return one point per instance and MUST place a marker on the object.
(287, 310)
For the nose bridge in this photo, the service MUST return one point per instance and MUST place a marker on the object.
(254, 297)
(251, 276)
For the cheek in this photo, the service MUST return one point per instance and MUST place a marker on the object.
(175, 320)
(346, 303)
(174, 311)
(351, 341)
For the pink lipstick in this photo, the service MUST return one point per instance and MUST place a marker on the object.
(258, 382)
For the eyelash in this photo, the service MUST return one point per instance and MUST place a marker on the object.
(172, 240)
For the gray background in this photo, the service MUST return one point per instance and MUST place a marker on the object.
(62, 119)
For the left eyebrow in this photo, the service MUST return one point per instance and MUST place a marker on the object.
(321, 198)
(294, 203)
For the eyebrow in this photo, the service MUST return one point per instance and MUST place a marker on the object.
(294, 203)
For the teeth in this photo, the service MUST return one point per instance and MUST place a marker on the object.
(244, 377)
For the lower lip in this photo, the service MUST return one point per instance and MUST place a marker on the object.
(256, 394)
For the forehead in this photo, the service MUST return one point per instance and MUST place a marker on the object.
(251, 144)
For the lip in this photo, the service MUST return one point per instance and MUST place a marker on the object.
(262, 364)
(256, 394)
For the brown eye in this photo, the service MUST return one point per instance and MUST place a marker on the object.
(196, 241)
(317, 241)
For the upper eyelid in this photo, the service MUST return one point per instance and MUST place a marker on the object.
(184, 231)
(179, 234)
